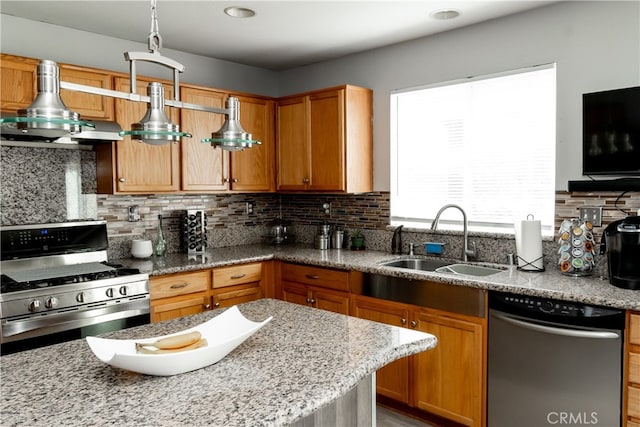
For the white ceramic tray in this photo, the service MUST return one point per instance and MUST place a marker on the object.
(223, 333)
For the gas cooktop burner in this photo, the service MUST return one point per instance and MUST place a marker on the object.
(10, 284)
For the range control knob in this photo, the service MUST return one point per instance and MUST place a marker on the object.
(80, 297)
(109, 292)
(34, 305)
(51, 302)
(123, 290)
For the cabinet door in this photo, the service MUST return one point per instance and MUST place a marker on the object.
(204, 168)
(449, 378)
(87, 105)
(338, 302)
(253, 169)
(173, 308)
(292, 144)
(392, 380)
(18, 86)
(141, 167)
(295, 293)
(236, 295)
(326, 127)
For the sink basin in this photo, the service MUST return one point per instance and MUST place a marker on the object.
(468, 270)
(415, 264)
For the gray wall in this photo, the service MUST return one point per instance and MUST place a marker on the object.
(596, 45)
(45, 41)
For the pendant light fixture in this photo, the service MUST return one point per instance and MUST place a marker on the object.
(48, 117)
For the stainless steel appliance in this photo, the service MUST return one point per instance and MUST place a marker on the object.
(553, 363)
(57, 285)
(621, 242)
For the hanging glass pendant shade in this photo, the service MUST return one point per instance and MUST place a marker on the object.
(47, 116)
(231, 136)
(155, 128)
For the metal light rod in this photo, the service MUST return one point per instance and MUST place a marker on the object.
(140, 98)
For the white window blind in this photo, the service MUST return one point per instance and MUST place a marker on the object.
(486, 144)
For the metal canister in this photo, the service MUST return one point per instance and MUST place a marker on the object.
(321, 242)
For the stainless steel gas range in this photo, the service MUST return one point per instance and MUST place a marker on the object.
(57, 285)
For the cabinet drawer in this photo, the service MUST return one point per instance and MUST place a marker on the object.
(178, 284)
(634, 368)
(316, 276)
(634, 329)
(633, 407)
(237, 275)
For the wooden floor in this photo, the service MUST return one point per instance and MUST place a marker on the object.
(388, 418)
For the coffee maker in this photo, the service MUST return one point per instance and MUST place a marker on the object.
(621, 242)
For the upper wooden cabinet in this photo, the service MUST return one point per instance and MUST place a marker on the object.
(324, 141)
(141, 167)
(208, 169)
(18, 82)
(253, 169)
(87, 105)
(203, 168)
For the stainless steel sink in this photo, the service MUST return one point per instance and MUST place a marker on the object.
(415, 264)
(468, 270)
(441, 267)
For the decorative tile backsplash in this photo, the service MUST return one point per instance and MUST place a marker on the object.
(42, 185)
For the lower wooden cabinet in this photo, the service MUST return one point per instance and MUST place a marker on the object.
(324, 299)
(236, 284)
(632, 392)
(448, 380)
(178, 295)
(323, 288)
(184, 294)
(392, 380)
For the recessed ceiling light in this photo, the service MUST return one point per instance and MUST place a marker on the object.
(445, 14)
(239, 12)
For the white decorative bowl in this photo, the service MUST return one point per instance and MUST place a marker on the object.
(223, 333)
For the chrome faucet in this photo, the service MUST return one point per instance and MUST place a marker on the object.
(396, 240)
(467, 252)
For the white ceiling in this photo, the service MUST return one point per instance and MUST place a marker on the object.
(281, 35)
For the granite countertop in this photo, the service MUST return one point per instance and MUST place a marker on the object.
(550, 284)
(301, 360)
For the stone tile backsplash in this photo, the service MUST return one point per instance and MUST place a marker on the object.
(41, 185)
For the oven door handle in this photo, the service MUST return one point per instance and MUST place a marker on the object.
(58, 322)
(567, 332)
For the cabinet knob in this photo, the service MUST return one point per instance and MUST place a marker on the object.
(234, 180)
(225, 180)
(207, 306)
(414, 323)
(305, 181)
(121, 179)
(312, 301)
(217, 304)
(403, 321)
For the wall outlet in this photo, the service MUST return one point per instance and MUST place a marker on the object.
(249, 208)
(593, 214)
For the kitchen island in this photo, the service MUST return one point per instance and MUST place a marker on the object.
(300, 363)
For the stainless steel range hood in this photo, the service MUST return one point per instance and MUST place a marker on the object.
(104, 131)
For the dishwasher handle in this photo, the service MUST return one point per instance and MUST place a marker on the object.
(576, 333)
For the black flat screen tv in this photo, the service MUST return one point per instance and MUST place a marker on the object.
(611, 132)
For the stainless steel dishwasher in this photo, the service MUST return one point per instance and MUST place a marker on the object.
(553, 363)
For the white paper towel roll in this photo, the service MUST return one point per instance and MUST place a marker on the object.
(529, 245)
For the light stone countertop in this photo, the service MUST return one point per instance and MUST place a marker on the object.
(550, 284)
(301, 360)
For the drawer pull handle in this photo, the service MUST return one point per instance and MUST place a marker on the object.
(179, 285)
(238, 276)
(312, 276)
